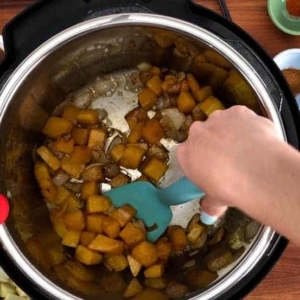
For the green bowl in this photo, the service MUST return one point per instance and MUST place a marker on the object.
(282, 19)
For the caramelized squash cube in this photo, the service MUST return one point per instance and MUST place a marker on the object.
(71, 238)
(154, 85)
(192, 82)
(116, 262)
(49, 158)
(75, 170)
(177, 238)
(203, 93)
(88, 189)
(132, 235)
(88, 117)
(156, 283)
(147, 99)
(72, 203)
(136, 116)
(154, 168)
(199, 279)
(164, 40)
(155, 71)
(81, 155)
(164, 249)
(94, 223)
(135, 134)
(93, 173)
(70, 113)
(211, 104)
(104, 244)
(186, 102)
(123, 214)
(80, 271)
(155, 271)
(134, 265)
(117, 152)
(97, 138)
(98, 204)
(145, 253)
(87, 256)
(132, 156)
(198, 114)
(63, 145)
(150, 294)
(119, 179)
(57, 221)
(110, 226)
(86, 238)
(56, 127)
(56, 254)
(80, 135)
(152, 131)
(75, 220)
(133, 288)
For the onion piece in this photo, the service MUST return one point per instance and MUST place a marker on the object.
(177, 117)
(60, 179)
(74, 187)
(140, 224)
(83, 98)
(189, 264)
(144, 66)
(105, 86)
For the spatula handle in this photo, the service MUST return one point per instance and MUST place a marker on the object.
(179, 192)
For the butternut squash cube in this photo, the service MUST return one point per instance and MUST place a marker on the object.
(88, 117)
(152, 131)
(116, 262)
(136, 116)
(57, 221)
(132, 235)
(145, 253)
(97, 204)
(184, 86)
(199, 279)
(104, 244)
(154, 271)
(56, 254)
(211, 104)
(133, 288)
(56, 127)
(186, 102)
(203, 93)
(75, 170)
(70, 113)
(87, 256)
(110, 226)
(119, 179)
(123, 214)
(86, 238)
(154, 168)
(81, 155)
(71, 238)
(117, 152)
(88, 189)
(154, 85)
(156, 283)
(94, 223)
(135, 134)
(75, 220)
(72, 203)
(63, 145)
(155, 71)
(80, 135)
(93, 173)
(132, 156)
(177, 238)
(164, 249)
(147, 99)
(80, 271)
(134, 265)
(97, 138)
(164, 39)
(192, 82)
(49, 158)
(150, 294)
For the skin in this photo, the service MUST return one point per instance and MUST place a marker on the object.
(237, 159)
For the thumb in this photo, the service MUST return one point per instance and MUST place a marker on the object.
(211, 210)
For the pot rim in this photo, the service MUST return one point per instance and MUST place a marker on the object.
(259, 246)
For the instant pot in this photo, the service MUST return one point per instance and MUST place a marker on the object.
(45, 58)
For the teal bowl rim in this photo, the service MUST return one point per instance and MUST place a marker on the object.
(277, 23)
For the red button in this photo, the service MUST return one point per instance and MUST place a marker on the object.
(4, 209)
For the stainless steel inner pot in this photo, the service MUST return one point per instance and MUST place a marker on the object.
(64, 64)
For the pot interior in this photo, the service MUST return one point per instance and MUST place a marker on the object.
(68, 69)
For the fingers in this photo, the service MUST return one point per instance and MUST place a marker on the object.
(211, 209)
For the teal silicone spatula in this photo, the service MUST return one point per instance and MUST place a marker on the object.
(153, 204)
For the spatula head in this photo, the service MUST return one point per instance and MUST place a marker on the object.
(143, 197)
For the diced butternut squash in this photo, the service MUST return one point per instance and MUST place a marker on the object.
(154, 85)
(134, 265)
(132, 156)
(156, 283)
(184, 86)
(199, 279)
(88, 117)
(70, 113)
(87, 256)
(94, 223)
(88, 189)
(90, 289)
(97, 138)
(98, 204)
(57, 221)
(123, 214)
(81, 155)
(155, 71)
(147, 99)
(203, 93)
(194, 232)
(116, 262)
(80, 135)
(198, 114)
(56, 127)
(152, 131)
(132, 235)
(72, 203)
(56, 254)
(135, 134)
(155, 271)
(164, 40)
(168, 84)
(75, 220)
(136, 116)
(186, 102)
(93, 173)
(44, 179)
(164, 248)
(49, 158)
(177, 237)
(110, 226)
(63, 145)
(119, 179)
(150, 294)
(75, 170)
(71, 238)
(133, 288)
(154, 168)
(86, 238)
(211, 104)
(104, 244)
(80, 271)
(192, 82)
(145, 253)
(117, 152)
